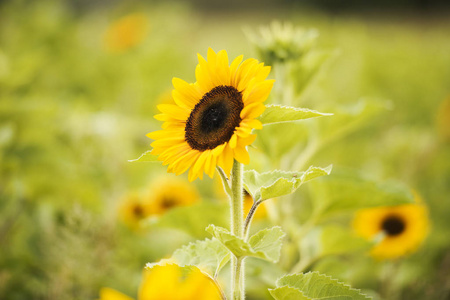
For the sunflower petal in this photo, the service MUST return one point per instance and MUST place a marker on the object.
(226, 159)
(185, 94)
(212, 56)
(200, 163)
(252, 111)
(252, 123)
(234, 67)
(174, 111)
(219, 149)
(247, 140)
(233, 141)
(260, 92)
(241, 155)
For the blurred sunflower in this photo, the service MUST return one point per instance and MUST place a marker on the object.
(405, 227)
(126, 33)
(133, 210)
(111, 294)
(172, 282)
(212, 121)
(169, 193)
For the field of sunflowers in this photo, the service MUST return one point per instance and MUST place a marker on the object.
(168, 151)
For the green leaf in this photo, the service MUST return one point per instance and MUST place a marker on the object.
(348, 190)
(263, 186)
(281, 114)
(268, 241)
(304, 71)
(208, 255)
(287, 293)
(314, 286)
(265, 244)
(193, 219)
(146, 157)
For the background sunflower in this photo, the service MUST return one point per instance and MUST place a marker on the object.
(404, 228)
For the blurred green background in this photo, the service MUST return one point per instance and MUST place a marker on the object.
(77, 98)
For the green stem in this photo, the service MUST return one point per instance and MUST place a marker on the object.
(249, 218)
(237, 228)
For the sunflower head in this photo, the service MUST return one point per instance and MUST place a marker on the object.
(166, 194)
(212, 120)
(173, 282)
(280, 43)
(133, 210)
(404, 228)
(126, 33)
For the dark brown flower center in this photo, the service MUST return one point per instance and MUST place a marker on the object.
(168, 202)
(138, 211)
(393, 225)
(214, 118)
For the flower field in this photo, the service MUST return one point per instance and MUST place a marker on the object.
(175, 150)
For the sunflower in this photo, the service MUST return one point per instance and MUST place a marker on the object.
(212, 120)
(171, 282)
(126, 33)
(404, 227)
(168, 193)
(133, 210)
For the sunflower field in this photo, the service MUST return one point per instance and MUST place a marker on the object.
(198, 150)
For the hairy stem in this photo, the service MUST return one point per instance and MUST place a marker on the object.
(237, 228)
(249, 218)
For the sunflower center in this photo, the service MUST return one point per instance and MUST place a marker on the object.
(213, 120)
(393, 225)
(138, 211)
(168, 202)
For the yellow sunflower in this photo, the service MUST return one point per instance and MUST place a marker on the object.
(133, 210)
(405, 227)
(126, 33)
(169, 193)
(111, 294)
(169, 282)
(212, 121)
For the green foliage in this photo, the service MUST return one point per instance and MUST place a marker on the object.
(282, 114)
(305, 70)
(265, 244)
(263, 186)
(208, 255)
(146, 157)
(348, 190)
(331, 240)
(312, 286)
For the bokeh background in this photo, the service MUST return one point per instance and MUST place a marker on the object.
(79, 85)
